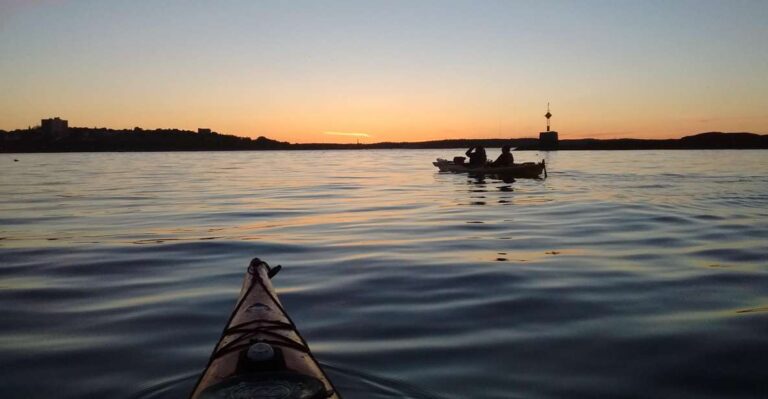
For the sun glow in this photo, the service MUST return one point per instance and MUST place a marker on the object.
(299, 72)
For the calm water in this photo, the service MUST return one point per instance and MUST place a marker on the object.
(624, 274)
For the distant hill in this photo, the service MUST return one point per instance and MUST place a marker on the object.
(79, 139)
(726, 140)
(709, 140)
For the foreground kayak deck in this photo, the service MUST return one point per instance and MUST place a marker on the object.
(260, 353)
(522, 170)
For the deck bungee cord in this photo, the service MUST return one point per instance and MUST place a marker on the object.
(260, 353)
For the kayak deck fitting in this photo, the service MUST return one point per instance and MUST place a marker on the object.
(260, 353)
(530, 170)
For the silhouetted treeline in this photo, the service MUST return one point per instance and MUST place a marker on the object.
(78, 139)
(710, 140)
(101, 139)
(456, 143)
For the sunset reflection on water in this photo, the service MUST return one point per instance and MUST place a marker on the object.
(396, 274)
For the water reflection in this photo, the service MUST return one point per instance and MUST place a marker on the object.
(391, 271)
(481, 183)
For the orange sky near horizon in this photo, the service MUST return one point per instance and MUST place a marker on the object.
(388, 71)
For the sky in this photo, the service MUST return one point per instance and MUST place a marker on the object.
(389, 70)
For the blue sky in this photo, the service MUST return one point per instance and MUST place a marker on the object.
(391, 69)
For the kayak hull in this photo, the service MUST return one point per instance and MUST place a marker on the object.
(530, 170)
(259, 318)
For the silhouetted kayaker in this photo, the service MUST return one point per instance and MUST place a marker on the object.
(478, 157)
(506, 158)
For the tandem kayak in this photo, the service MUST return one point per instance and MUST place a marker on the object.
(260, 353)
(530, 170)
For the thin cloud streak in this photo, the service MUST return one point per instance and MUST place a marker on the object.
(347, 134)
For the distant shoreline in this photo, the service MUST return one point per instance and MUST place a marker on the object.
(137, 140)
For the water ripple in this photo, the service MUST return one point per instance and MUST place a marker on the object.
(612, 278)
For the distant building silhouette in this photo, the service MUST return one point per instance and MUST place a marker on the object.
(548, 141)
(55, 127)
(203, 130)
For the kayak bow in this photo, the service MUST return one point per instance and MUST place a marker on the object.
(260, 353)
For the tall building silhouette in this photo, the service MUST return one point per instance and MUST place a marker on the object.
(55, 127)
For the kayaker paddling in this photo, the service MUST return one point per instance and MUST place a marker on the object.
(506, 158)
(476, 156)
(504, 165)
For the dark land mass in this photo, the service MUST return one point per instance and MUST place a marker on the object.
(78, 139)
(701, 141)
